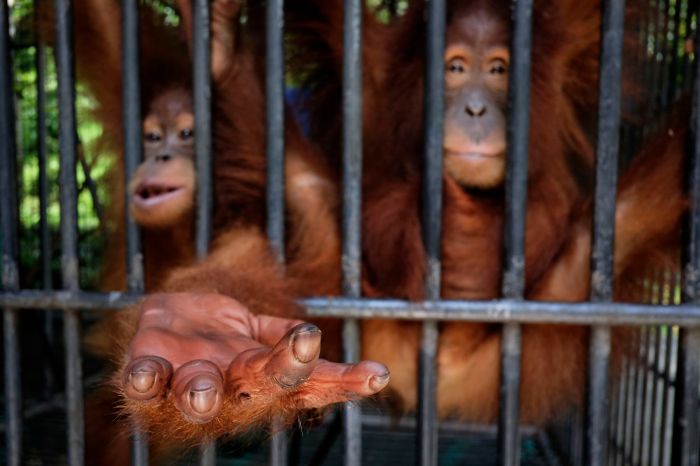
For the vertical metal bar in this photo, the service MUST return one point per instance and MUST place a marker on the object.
(670, 397)
(649, 389)
(133, 146)
(432, 226)
(201, 60)
(612, 33)
(133, 153)
(69, 226)
(636, 445)
(278, 445)
(690, 338)
(631, 397)
(660, 394)
(615, 412)
(274, 91)
(352, 207)
(8, 241)
(207, 454)
(621, 412)
(42, 153)
(514, 229)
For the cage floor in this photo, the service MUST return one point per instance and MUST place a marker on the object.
(44, 444)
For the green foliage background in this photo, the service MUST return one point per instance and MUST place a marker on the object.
(91, 225)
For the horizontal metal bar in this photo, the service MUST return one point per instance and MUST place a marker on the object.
(585, 313)
(64, 300)
(504, 310)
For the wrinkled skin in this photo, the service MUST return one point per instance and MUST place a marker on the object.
(223, 352)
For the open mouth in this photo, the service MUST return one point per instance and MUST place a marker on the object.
(150, 194)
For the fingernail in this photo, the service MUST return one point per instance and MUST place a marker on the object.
(142, 381)
(377, 382)
(202, 401)
(306, 345)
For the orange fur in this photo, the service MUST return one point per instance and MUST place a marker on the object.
(565, 38)
(240, 264)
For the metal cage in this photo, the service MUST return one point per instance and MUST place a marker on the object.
(651, 416)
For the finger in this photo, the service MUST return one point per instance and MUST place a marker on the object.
(332, 383)
(198, 390)
(146, 377)
(270, 330)
(295, 356)
(263, 371)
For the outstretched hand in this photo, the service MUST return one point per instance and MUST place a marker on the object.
(201, 365)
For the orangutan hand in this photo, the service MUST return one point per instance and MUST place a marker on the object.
(202, 365)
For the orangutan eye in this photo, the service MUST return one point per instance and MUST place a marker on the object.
(152, 137)
(186, 133)
(456, 65)
(498, 67)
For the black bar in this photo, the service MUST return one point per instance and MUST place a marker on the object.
(274, 92)
(207, 454)
(274, 114)
(631, 394)
(607, 150)
(432, 227)
(612, 34)
(518, 140)
(663, 339)
(649, 390)
(508, 429)
(133, 154)
(278, 445)
(670, 397)
(352, 413)
(514, 230)
(621, 412)
(599, 357)
(201, 60)
(69, 226)
(201, 63)
(133, 146)
(9, 243)
(352, 207)
(636, 447)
